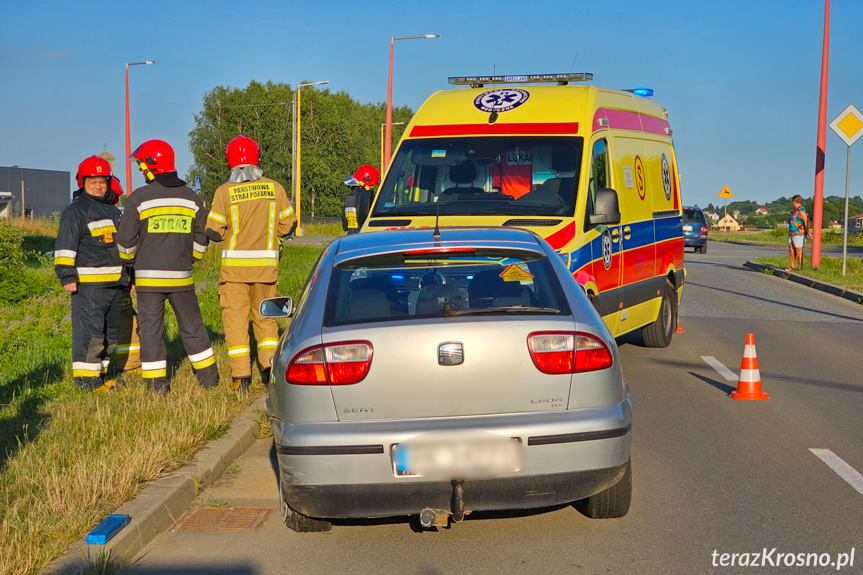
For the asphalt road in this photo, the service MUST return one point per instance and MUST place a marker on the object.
(711, 474)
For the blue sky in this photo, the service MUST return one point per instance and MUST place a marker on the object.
(740, 78)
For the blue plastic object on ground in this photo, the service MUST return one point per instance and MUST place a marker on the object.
(107, 529)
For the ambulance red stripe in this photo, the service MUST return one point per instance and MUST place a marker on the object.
(533, 129)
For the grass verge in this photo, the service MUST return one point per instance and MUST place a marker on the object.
(830, 270)
(68, 458)
(780, 237)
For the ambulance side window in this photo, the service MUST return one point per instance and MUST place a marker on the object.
(598, 177)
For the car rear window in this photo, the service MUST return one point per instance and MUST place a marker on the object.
(692, 216)
(406, 286)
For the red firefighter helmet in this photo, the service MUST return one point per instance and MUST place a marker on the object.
(366, 176)
(242, 150)
(154, 157)
(92, 166)
(116, 189)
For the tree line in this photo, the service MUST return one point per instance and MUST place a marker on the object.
(779, 210)
(339, 134)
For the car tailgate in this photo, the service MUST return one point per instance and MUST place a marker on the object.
(406, 380)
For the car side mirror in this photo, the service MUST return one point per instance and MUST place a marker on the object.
(606, 208)
(282, 306)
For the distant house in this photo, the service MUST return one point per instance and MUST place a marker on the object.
(855, 223)
(749, 228)
(761, 212)
(727, 223)
(712, 215)
(736, 213)
(834, 225)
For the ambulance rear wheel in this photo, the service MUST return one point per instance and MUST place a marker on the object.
(659, 333)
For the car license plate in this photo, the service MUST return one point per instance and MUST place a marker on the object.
(477, 457)
(687, 228)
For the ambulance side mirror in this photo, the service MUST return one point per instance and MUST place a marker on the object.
(606, 208)
(277, 307)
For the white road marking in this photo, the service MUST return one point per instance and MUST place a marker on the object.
(721, 369)
(842, 469)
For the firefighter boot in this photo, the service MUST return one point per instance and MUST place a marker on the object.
(241, 384)
(265, 377)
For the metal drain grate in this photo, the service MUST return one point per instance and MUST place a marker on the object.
(223, 520)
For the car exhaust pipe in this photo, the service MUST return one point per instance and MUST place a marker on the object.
(458, 500)
(431, 517)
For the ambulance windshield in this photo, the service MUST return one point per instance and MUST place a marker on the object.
(513, 175)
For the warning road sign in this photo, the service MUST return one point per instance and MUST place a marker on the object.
(725, 193)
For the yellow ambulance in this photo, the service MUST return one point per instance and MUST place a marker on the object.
(592, 170)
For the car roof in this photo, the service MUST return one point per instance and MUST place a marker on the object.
(692, 208)
(395, 241)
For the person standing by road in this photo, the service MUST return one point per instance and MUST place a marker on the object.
(88, 265)
(162, 234)
(798, 231)
(359, 199)
(251, 213)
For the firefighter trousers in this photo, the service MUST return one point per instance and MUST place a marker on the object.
(238, 300)
(151, 325)
(127, 355)
(95, 329)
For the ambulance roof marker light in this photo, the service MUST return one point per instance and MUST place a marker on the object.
(643, 92)
(560, 79)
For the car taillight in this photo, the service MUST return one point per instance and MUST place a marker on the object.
(591, 354)
(703, 229)
(342, 363)
(572, 352)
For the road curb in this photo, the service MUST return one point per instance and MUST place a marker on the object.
(832, 289)
(159, 505)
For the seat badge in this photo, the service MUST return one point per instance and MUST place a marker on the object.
(450, 354)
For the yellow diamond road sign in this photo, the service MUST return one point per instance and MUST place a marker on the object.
(848, 125)
(725, 193)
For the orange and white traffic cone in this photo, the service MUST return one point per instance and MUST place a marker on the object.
(679, 329)
(749, 381)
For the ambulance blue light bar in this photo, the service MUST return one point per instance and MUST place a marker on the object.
(643, 92)
(560, 79)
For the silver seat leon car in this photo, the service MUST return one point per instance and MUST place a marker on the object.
(435, 374)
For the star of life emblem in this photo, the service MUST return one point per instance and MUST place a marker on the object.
(502, 100)
(606, 249)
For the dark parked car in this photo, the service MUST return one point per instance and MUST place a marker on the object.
(438, 375)
(694, 229)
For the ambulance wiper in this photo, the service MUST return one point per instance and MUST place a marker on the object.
(450, 311)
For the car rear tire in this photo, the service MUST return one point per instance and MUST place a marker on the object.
(703, 249)
(296, 520)
(660, 332)
(611, 503)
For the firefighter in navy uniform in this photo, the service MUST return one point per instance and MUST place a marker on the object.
(127, 354)
(251, 213)
(162, 235)
(359, 199)
(88, 265)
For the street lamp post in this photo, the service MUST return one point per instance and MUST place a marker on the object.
(388, 142)
(382, 141)
(296, 149)
(128, 140)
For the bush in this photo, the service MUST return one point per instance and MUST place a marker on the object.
(11, 256)
(18, 285)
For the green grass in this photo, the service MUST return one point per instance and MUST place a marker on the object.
(830, 270)
(780, 237)
(69, 458)
(322, 230)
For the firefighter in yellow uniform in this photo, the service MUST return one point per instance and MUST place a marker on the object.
(250, 214)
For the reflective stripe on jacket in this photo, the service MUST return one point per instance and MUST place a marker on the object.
(162, 235)
(86, 250)
(250, 217)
